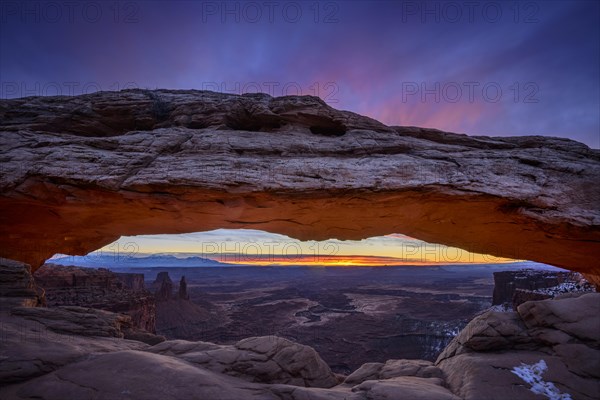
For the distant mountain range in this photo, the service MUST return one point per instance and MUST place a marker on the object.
(186, 261)
(122, 261)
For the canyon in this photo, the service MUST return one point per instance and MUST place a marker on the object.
(513, 288)
(78, 352)
(350, 316)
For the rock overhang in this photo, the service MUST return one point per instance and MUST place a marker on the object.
(78, 172)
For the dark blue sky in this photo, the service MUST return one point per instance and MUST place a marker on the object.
(495, 68)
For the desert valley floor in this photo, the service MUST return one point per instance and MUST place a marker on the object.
(349, 315)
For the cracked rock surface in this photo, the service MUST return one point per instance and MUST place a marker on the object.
(267, 359)
(564, 332)
(78, 172)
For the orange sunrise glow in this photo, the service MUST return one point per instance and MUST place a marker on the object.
(341, 261)
(260, 248)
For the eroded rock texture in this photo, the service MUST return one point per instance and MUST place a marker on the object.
(99, 288)
(266, 359)
(564, 332)
(517, 287)
(163, 287)
(72, 352)
(183, 294)
(78, 172)
(17, 287)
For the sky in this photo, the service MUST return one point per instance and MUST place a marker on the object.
(477, 67)
(496, 68)
(255, 247)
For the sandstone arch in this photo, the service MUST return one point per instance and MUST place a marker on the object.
(78, 172)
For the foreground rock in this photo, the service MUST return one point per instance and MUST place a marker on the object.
(136, 375)
(46, 364)
(29, 348)
(42, 362)
(77, 172)
(267, 359)
(565, 333)
(394, 369)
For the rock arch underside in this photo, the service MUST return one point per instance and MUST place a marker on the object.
(78, 172)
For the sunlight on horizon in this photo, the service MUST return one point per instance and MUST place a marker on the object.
(255, 247)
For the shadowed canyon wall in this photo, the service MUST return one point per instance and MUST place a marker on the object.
(78, 172)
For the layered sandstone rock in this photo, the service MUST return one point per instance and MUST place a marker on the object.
(163, 287)
(507, 282)
(267, 359)
(177, 316)
(78, 172)
(184, 319)
(134, 282)
(183, 294)
(83, 321)
(101, 289)
(29, 348)
(513, 288)
(17, 287)
(564, 333)
(76, 320)
(58, 366)
(394, 369)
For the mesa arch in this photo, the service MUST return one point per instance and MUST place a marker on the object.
(78, 172)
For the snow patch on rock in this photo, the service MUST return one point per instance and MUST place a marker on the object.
(532, 374)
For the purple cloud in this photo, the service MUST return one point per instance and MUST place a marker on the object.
(436, 64)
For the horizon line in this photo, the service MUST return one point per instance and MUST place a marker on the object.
(298, 260)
